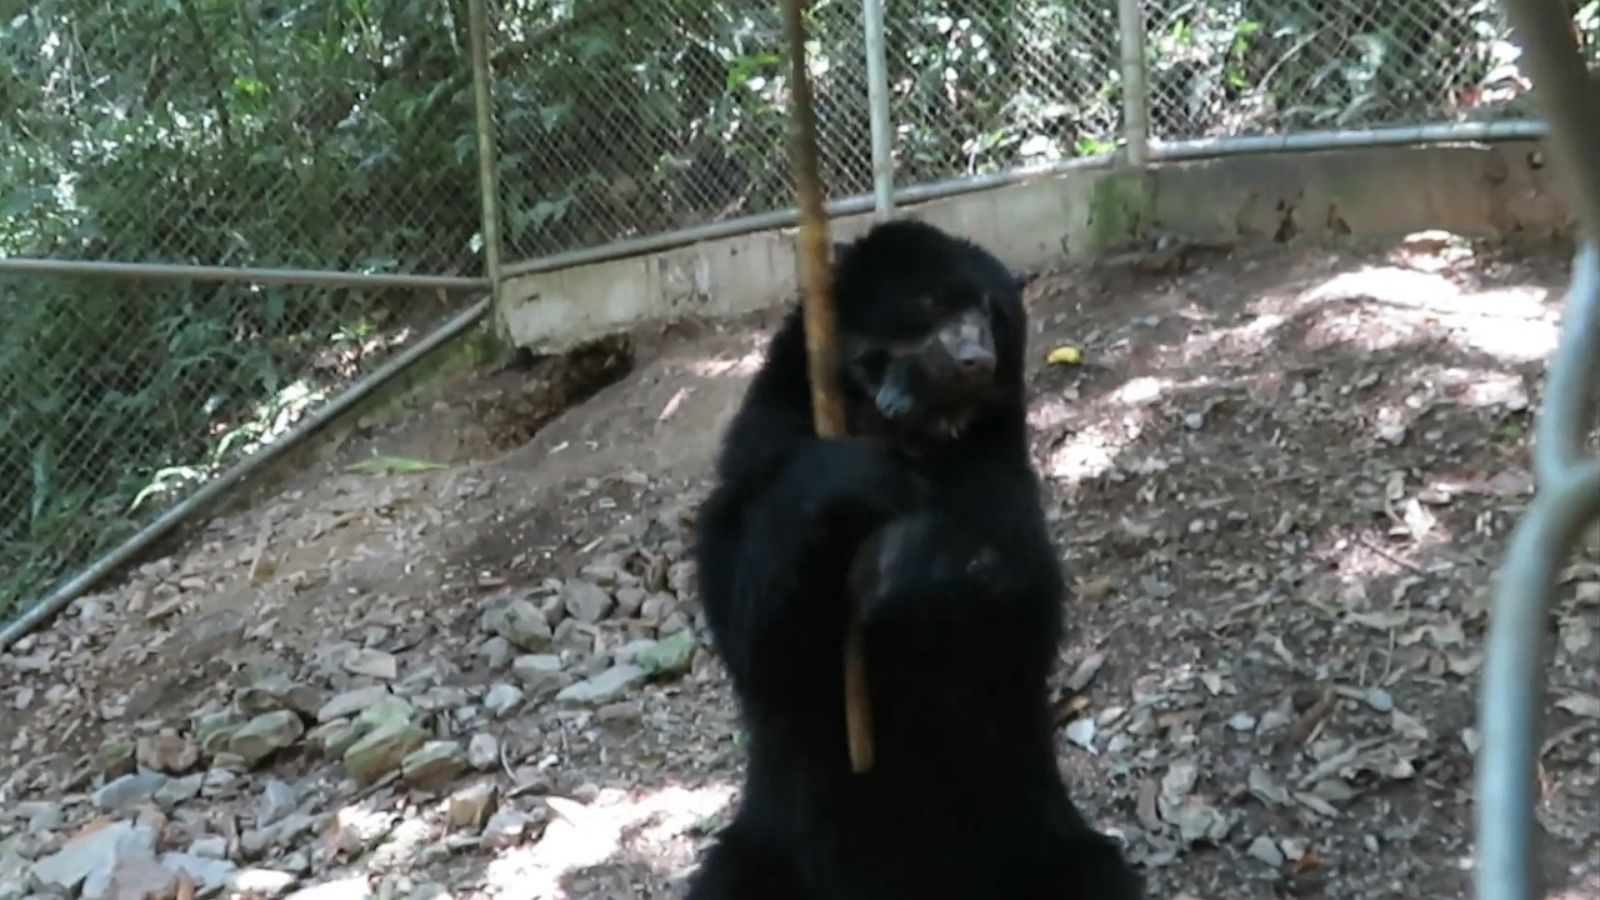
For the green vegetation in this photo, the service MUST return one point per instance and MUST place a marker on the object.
(339, 134)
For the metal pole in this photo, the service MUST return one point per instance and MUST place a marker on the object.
(1135, 84)
(878, 110)
(52, 604)
(1204, 148)
(1353, 139)
(483, 107)
(1567, 497)
(23, 265)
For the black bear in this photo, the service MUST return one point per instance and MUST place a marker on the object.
(929, 515)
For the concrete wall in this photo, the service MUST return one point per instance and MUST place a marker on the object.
(1478, 190)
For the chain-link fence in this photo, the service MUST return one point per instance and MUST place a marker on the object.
(634, 119)
(344, 138)
(988, 85)
(1253, 67)
(216, 133)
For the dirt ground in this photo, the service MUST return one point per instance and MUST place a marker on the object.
(1281, 479)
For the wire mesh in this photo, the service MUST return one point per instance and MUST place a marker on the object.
(979, 86)
(620, 119)
(1253, 67)
(210, 133)
(343, 137)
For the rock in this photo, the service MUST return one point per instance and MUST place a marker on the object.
(277, 800)
(680, 578)
(1380, 700)
(121, 795)
(430, 891)
(277, 692)
(433, 765)
(218, 782)
(390, 710)
(229, 762)
(260, 882)
(117, 758)
(606, 570)
(553, 609)
(351, 702)
(1082, 732)
(265, 735)
(334, 738)
(133, 878)
(472, 806)
(585, 601)
(1265, 850)
(540, 673)
(483, 751)
(439, 698)
(41, 815)
(506, 828)
(629, 602)
(211, 847)
(621, 711)
(573, 635)
(381, 750)
(212, 730)
(13, 876)
(207, 873)
(521, 623)
(180, 790)
(603, 688)
(669, 656)
(630, 652)
(298, 861)
(372, 663)
(674, 623)
(657, 607)
(356, 830)
(355, 887)
(495, 651)
(167, 753)
(502, 698)
(255, 842)
(89, 858)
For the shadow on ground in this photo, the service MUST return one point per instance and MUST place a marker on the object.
(1281, 482)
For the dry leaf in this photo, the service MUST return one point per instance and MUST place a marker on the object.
(1316, 804)
(1576, 634)
(1586, 705)
(1085, 672)
(1309, 861)
(1409, 726)
(1093, 590)
(1383, 621)
(1149, 790)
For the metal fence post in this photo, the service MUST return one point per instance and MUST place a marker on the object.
(1135, 85)
(878, 110)
(483, 107)
(1567, 486)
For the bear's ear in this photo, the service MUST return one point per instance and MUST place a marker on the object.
(1019, 280)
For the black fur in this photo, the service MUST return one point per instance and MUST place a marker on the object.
(961, 595)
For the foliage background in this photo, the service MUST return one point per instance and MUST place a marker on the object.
(340, 135)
